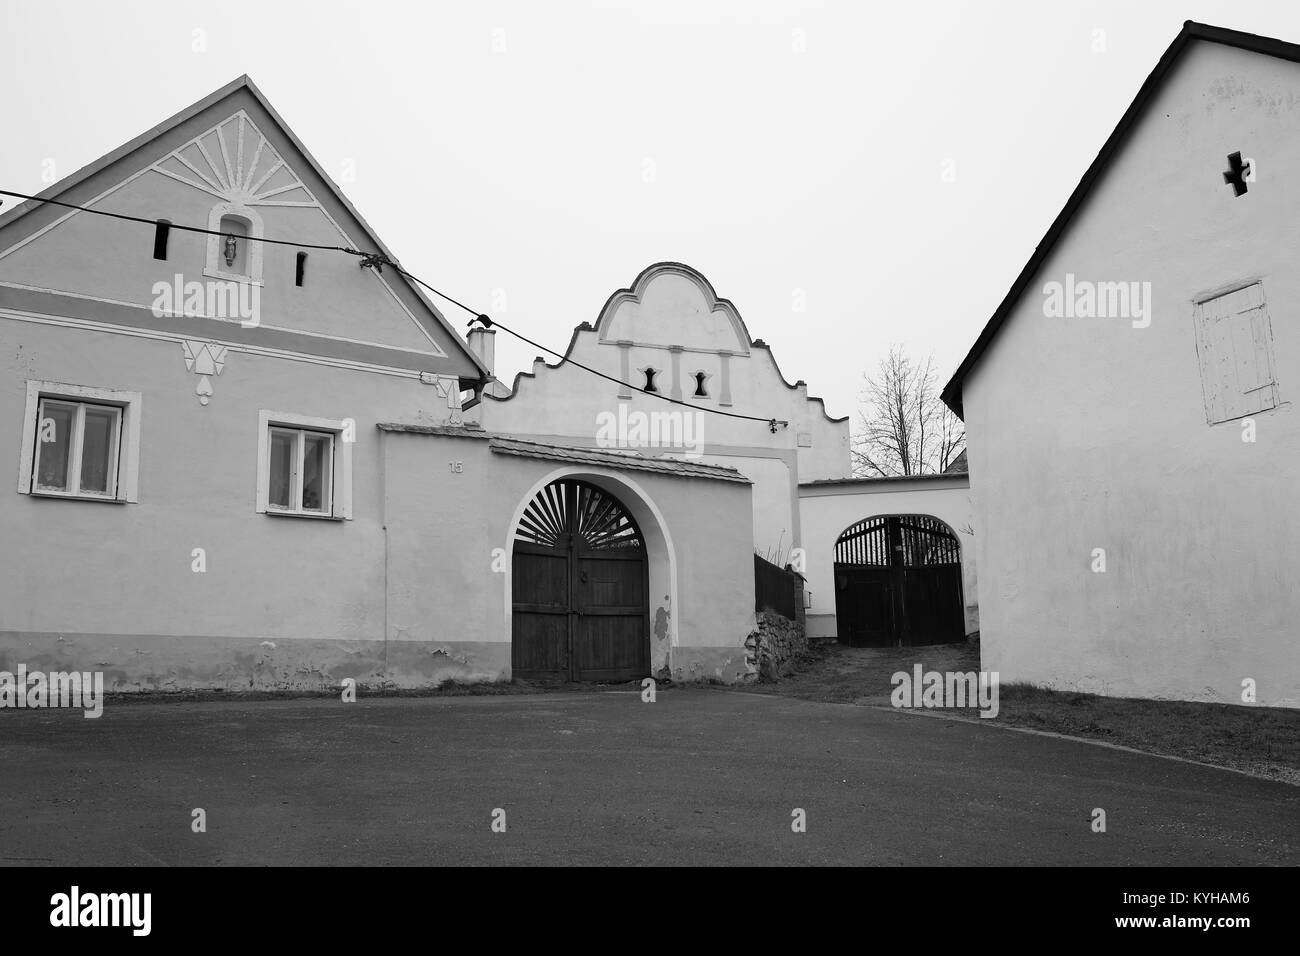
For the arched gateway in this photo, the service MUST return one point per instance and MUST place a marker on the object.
(898, 582)
(579, 588)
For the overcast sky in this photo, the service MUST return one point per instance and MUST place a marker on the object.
(789, 151)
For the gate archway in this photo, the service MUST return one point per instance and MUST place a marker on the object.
(898, 583)
(580, 588)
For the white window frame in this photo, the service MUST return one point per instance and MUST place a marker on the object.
(297, 470)
(76, 450)
(340, 477)
(126, 454)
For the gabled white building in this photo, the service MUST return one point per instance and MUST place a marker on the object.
(1134, 444)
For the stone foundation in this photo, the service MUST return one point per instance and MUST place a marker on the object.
(773, 645)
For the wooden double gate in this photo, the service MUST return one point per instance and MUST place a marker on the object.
(898, 583)
(580, 588)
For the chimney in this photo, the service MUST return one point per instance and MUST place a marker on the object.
(482, 342)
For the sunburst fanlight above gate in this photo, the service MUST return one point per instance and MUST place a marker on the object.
(596, 520)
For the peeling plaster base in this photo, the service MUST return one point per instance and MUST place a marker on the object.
(154, 662)
(150, 662)
(726, 664)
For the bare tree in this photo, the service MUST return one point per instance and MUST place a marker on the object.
(905, 429)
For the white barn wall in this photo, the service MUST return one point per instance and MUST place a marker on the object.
(1090, 433)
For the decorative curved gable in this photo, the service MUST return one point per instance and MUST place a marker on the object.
(671, 303)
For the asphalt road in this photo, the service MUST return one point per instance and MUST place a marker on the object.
(699, 777)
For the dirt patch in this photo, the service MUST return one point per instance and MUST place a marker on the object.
(1262, 741)
(861, 675)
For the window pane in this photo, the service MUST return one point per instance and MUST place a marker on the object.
(315, 472)
(54, 441)
(97, 449)
(284, 457)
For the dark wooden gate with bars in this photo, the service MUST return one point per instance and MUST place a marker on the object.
(580, 588)
(775, 588)
(898, 583)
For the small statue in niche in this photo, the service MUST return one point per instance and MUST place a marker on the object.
(230, 251)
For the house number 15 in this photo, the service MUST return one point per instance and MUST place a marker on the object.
(456, 466)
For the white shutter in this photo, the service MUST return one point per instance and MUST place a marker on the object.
(1234, 339)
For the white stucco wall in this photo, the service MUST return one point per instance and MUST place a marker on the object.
(409, 591)
(1089, 433)
(281, 603)
(829, 509)
(773, 501)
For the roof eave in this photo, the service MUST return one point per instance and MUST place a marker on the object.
(103, 162)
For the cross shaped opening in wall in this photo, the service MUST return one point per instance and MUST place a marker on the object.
(1237, 174)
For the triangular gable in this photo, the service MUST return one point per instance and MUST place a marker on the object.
(231, 147)
(952, 392)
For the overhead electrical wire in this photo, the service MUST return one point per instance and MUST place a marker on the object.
(489, 322)
(378, 260)
(173, 225)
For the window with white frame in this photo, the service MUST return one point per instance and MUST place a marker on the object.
(304, 466)
(76, 448)
(80, 442)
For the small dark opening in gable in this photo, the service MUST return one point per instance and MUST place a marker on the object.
(700, 390)
(1238, 174)
(650, 380)
(301, 271)
(161, 230)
